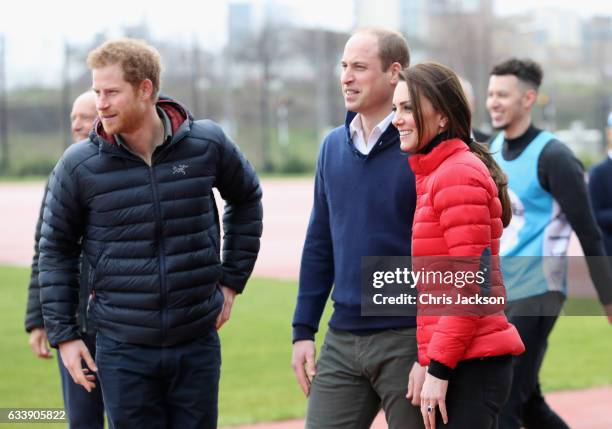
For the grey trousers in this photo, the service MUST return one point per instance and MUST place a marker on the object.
(356, 375)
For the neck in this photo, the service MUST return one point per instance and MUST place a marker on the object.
(147, 136)
(369, 120)
(518, 128)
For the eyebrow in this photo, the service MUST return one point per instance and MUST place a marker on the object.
(355, 63)
(111, 88)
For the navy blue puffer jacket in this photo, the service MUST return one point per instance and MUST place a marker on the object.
(150, 233)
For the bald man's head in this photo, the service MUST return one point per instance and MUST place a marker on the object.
(83, 116)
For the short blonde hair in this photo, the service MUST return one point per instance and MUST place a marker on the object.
(138, 60)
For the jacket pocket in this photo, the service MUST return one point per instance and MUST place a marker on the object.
(91, 283)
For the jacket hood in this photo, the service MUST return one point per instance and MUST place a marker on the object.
(177, 114)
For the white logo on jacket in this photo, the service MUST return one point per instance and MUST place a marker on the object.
(180, 169)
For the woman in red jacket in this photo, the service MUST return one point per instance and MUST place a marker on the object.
(462, 207)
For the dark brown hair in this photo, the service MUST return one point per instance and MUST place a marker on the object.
(526, 70)
(442, 87)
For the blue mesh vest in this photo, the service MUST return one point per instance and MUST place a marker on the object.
(534, 245)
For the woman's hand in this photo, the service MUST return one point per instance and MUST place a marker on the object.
(433, 394)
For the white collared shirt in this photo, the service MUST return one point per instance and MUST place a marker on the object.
(358, 137)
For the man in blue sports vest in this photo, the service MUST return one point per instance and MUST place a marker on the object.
(549, 199)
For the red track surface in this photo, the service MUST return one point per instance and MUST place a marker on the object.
(287, 206)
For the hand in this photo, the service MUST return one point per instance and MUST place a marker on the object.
(304, 353)
(608, 311)
(39, 343)
(228, 302)
(433, 394)
(415, 383)
(72, 352)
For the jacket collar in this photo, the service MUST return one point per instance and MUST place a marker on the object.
(425, 163)
(180, 120)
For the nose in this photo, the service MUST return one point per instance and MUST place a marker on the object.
(101, 102)
(396, 119)
(346, 77)
(77, 125)
(492, 100)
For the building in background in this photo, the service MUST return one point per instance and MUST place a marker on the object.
(240, 22)
(410, 17)
(597, 40)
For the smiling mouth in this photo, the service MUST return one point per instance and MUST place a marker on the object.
(404, 133)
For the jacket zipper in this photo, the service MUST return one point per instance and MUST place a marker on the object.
(83, 308)
(162, 258)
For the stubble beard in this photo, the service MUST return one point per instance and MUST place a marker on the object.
(127, 122)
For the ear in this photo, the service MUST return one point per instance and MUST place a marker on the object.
(529, 98)
(395, 70)
(146, 89)
(442, 121)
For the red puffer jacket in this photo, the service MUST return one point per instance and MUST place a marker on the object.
(458, 214)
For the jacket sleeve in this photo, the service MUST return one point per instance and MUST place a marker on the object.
(58, 265)
(461, 199)
(239, 186)
(34, 317)
(317, 265)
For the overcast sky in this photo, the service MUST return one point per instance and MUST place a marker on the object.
(34, 40)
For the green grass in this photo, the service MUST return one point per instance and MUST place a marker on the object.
(33, 154)
(25, 381)
(580, 354)
(257, 382)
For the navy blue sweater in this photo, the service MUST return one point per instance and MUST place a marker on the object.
(363, 206)
(600, 188)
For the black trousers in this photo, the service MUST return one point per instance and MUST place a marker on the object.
(476, 393)
(534, 318)
(160, 387)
